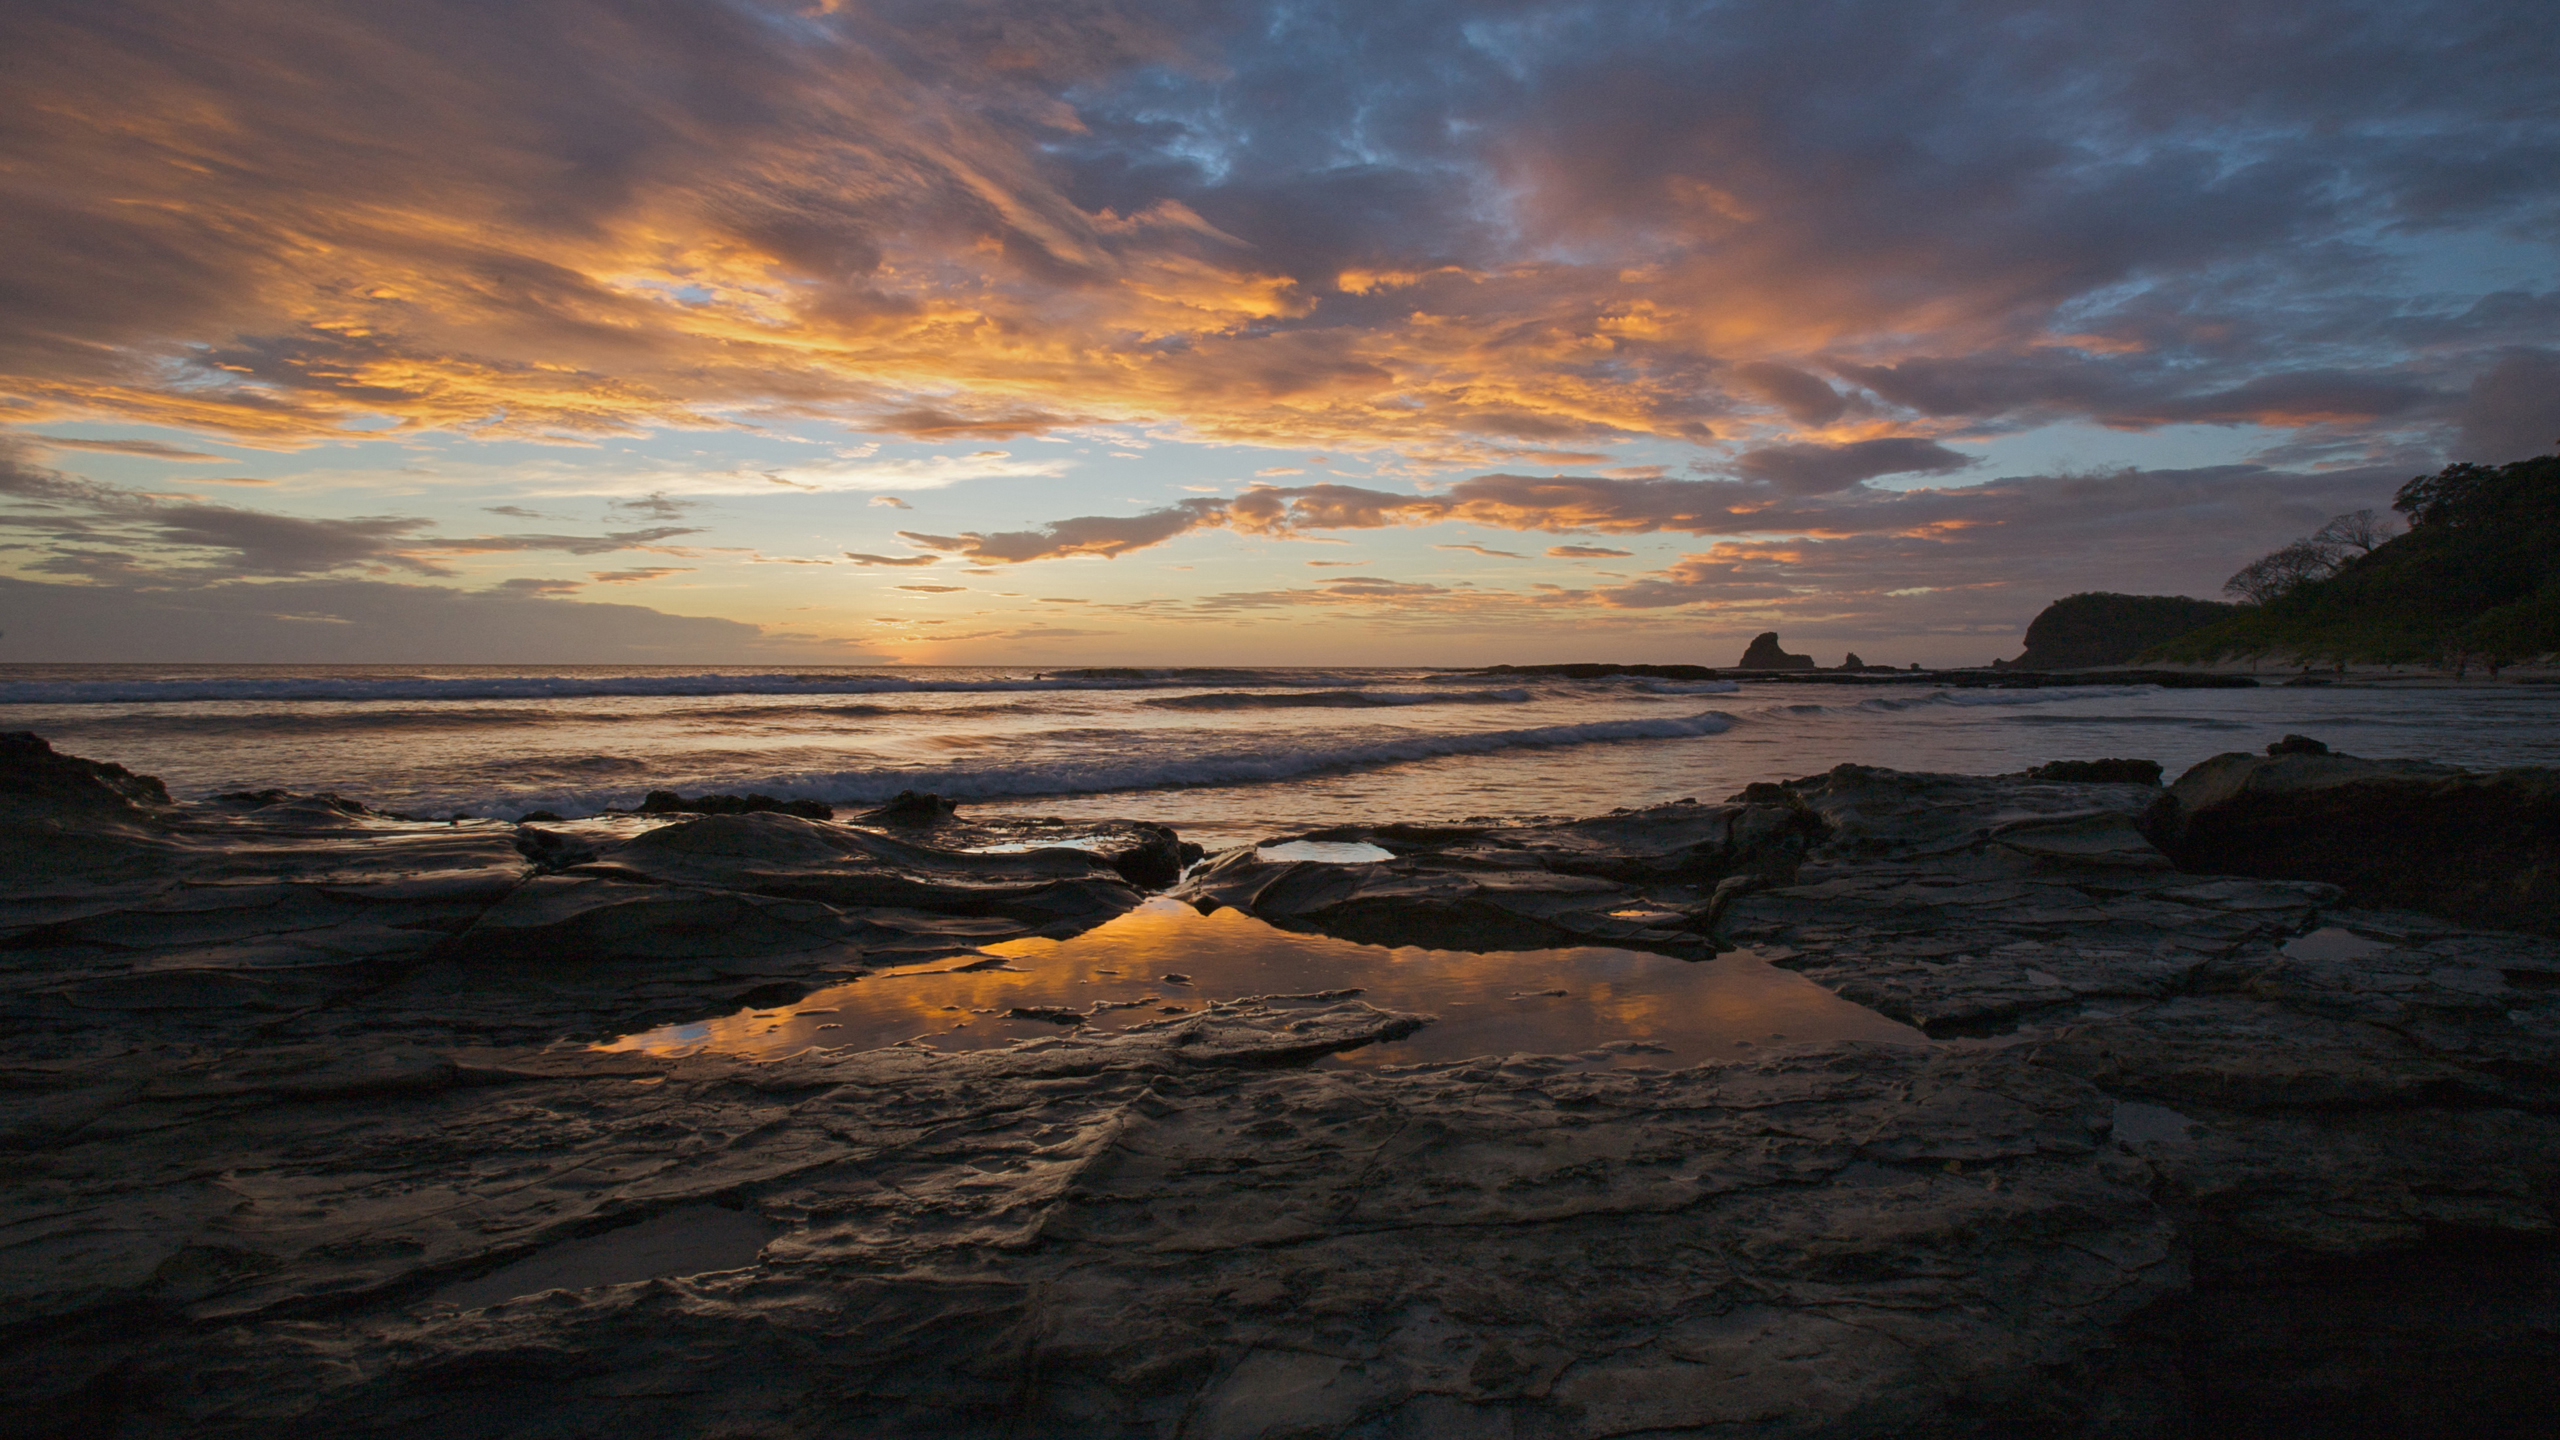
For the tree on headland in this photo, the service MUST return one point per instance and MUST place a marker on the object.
(2315, 557)
(2474, 580)
(2281, 572)
(2362, 531)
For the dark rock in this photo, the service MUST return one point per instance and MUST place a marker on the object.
(552, 850)
(302, 1157)
(1146, 855)
(1853, 662)
(34, 777)
(1764, 654)
(1645, 879)
(2483, 849)
(1054, 1014)
(909, 807)
(250, 799)
(532, 817)
(668, 802)
(65, 820)
(1870, 811)
(2099, 772)
(726, 885)
(2104, 837)
(2297, 745)
(768, 997)
(1158, 862)
(321, 802)
(175, 925)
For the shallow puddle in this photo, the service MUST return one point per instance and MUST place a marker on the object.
(2331, 942)
(1327, 852)
(1621, 1007)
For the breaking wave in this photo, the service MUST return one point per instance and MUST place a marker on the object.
(1101, 774)
(565, 687)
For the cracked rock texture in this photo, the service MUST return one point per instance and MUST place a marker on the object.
(1643, 879)
(303, 1140)
(2482, 848)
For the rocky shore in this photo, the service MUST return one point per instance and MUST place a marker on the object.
(2240, 1115)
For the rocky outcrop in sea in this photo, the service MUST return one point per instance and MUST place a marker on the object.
(1764, 653)
(308, 1136)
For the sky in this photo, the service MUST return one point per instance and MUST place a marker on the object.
(1049, 332)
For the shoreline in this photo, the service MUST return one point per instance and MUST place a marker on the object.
(2226, 676)
(2219, 1119)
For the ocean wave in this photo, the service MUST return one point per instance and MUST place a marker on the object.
(341, 722)
(2041, 696)
(1331, 699)
(252, 722)
(572, 687)
(1686, 687)
(1964, 699)
(1106, 774)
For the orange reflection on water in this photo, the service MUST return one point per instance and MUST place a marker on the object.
(1485, 1003)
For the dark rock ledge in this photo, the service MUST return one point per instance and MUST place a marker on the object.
(295, 1151)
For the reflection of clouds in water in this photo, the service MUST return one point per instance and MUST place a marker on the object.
(1329, 852)
(1485, 1003)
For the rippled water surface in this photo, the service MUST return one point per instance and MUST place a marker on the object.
(1614, 1007)
(1224, 755)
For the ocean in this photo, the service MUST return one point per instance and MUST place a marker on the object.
(1226, 756)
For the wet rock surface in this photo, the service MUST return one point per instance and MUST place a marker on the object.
(668, 802)
(1643, 879)
(2482, 848)
(272, 919)
(302, 1142)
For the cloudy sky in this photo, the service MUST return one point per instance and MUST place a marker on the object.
(1074, 331)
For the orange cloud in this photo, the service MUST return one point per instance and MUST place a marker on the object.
(245, 218)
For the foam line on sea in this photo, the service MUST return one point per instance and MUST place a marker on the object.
(1229, 766)
(555, 687)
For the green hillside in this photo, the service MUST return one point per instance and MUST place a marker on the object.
(2475, 580)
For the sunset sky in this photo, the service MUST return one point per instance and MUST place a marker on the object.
(1072, 332)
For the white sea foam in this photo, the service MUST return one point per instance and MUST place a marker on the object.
(1117, 771)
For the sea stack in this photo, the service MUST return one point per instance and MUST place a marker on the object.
(1764, 654)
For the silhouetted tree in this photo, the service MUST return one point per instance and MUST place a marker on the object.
(2271, 576)
(2357, 530)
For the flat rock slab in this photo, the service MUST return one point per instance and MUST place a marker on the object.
(307, 1141)
(1147, 1234)
(1642, 879)
(299, 917)
(2483, 848)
